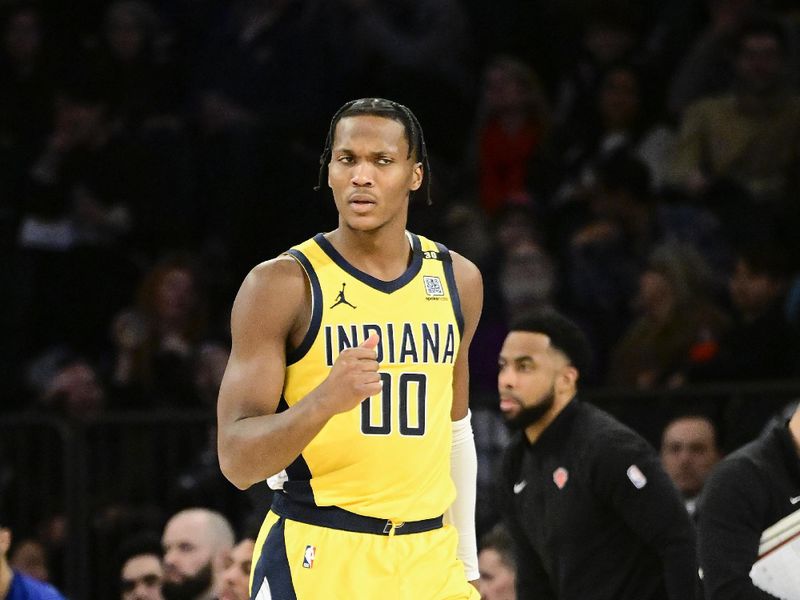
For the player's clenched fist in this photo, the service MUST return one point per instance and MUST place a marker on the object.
(353, 377)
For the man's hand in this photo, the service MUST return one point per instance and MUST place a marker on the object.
(353, 378)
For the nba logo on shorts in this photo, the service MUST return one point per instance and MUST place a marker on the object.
(308, 557)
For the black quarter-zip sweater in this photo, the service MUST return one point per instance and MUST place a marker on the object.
(594, 515)
(750, 490)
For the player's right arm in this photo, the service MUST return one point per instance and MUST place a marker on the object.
(269, 314)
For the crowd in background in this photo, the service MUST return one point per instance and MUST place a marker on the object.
(635, 164)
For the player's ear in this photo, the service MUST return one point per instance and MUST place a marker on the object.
(417, 176)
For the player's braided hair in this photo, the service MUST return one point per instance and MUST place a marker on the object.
(389, 109)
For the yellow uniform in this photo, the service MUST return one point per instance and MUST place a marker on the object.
(360, 513)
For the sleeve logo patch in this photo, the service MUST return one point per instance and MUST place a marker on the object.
(637, 477)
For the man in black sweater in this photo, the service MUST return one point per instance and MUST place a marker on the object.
(750, 490)
(594, 515)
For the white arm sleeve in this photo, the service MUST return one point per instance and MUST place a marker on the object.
(461, 514)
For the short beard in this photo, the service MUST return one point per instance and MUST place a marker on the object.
(191, 587)
(532, 414)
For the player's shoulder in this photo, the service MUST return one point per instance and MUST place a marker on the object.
(270, 281)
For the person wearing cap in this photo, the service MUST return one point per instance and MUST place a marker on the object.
(15, 585)
(593, 513)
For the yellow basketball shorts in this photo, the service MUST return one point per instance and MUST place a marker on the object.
(294, 560)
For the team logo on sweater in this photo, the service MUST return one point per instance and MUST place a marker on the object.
(560, 477)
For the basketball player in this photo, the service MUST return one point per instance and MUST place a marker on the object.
(347, 387)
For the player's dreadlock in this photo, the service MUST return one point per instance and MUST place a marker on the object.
(381, 108)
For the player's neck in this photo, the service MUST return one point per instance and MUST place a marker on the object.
(382, 254)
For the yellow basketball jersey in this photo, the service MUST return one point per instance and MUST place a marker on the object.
(389, 457)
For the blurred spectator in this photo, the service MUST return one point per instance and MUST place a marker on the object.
(195, 543)
(761, 343)
(513, 119)
(610, 36)
(67, 385)
(689, 452)
(141, 573)
(29, 556)
(27, 91)
(416, 52)
(707, 69)
(619, 120)
(679, 325)
(750, 135)
(265, 82)
(159, 341)
(498, 566)
(131, 65)
(15, 585)
(236, 571)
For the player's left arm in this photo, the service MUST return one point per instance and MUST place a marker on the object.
(463, 459)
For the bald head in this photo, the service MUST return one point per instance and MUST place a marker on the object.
(195, 543)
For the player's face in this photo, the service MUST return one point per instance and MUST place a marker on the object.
(370, 172)
(497, 580)
(141, 578)
(689, 453)
(236, 573)
(528, 369)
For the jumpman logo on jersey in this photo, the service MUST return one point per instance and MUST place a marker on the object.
(340, 299)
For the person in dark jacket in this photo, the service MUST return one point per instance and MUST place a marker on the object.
(750, 490)
(593, 513)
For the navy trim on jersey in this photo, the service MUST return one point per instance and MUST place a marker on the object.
(316, 312)
(450, 276)
(273, 564)
(334, 517)
(299, 484)
(386, 287)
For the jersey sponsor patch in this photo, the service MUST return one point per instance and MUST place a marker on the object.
(308, 557)
(433, 286)
(637, 477)
(560, 477)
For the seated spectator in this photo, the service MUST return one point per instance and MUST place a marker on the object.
(195, 542)
(236, 571)
(706, 69)
(497, 565)
(689, 452)
(513, 120)
(679, 325)
(141, 573)
(29, 556)
(159, 341)
(761, 343)
(15, 585)
(749, 135)
(67, 385)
